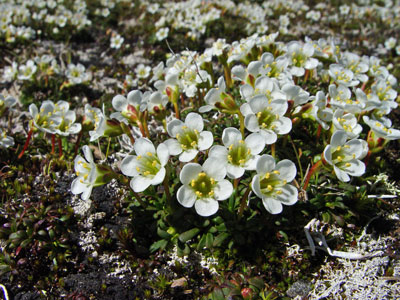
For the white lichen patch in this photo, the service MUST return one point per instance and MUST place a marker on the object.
(119, 267)
(359, 279)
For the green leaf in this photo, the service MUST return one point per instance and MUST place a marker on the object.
(188, 235)
(25, 243)
(257, 283)
(220, 238)
(209, 240)
(202, 243)
(42, 232)
(19, 235)
(161, 244)
(217, 294)
(163, 234)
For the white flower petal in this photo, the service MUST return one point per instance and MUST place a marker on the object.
(128, 166)
(287, 170)
(266, 163)
(163, 154)
(159, 177)
(186, 196)
(289, 195)
(219, 152)
(188, 155)
(223, 190)
(341, 175)
(140, 183)
(338, 138)
(206, 206)
(194, 121)
(174, 147)
(174, 127)
(255, 142)
(356, 168)
(119, 103)
(144, 145)
(88, 153)
(230, 136)
(270, 137)
(189, 172)
(77, 187)
(214, 168)
(272, 206)
(251, 123)
(234, 171)
(86, 193)
(206, 139)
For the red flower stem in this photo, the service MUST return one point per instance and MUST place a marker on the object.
(60, 151)
(26, 143)
(311, 172)
(53, 141)
(319, 132)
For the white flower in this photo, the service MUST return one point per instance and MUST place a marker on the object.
(219, 46)
(300, 58)
(203, 186)
(5, 141)
(128, 108)
(91, 117)
(266, 117)
(341, 98)
(214, 96)
(116, 41)
(271, 183)
(11, 72)
(86, 171)
(6, 103)
(347, 122)
(342, 76)
(45, 119)
(238, 155)
(263, 85)
(390, 43)
(26, 72)
(147, 167)
(162, 33)
(188, 138)
(320, 111)
(142, 71)
(67, 117)
(345, 156)
(354, 63)
(382, 128)
(76, 74)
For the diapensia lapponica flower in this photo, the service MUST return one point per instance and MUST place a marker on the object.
(272, 183)
(345, 157)
(203, 186)
(237, 154)
(89, 174)
(147, 167)
(188, 138)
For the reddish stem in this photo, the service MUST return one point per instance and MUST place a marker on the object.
(26, 143)
(319, 132)
(313, 169)
(60, 147)
(53, 141)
